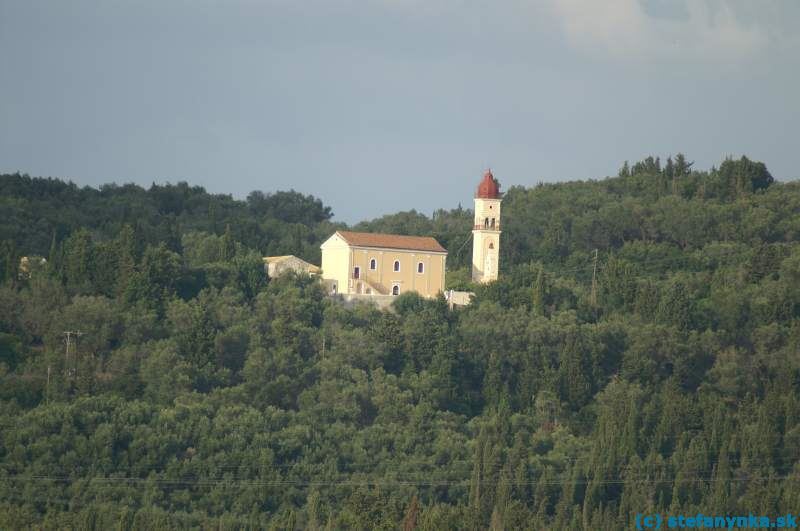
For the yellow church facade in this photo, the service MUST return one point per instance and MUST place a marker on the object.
(360, 263)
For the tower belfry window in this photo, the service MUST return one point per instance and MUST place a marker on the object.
(492, 222)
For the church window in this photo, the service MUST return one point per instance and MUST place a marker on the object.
(356, 272)
(492, 222)
(420, 267)
(486, 223)
(397, 265)
(491, 245)
(396, 290)
(373, 264)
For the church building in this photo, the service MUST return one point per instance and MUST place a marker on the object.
(362, 263)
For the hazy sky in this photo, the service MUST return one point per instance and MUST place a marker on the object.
(386, 105)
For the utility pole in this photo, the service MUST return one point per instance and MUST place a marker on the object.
(594, 280)
(71, 338)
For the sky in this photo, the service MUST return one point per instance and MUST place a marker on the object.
(378, 106)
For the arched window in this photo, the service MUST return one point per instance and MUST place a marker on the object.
(397, 265)
(373, 264)
(486, 223)
(395, 290)
(420, 267)
(492, 222)
(491, 245)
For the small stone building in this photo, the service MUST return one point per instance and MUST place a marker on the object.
(277, 265)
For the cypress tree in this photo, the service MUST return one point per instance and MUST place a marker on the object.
(125, 247)
(538, 299)
(228, 245)
(412, 512)
(53, 255)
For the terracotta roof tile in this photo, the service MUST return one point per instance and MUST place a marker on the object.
(489, 188)
(392, 241)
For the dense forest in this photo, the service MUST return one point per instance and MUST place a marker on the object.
(640, 353)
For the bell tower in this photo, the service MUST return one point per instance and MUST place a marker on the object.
(486, 230)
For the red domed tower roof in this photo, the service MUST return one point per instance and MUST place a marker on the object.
(489, 187)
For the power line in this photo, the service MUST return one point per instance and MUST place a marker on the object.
(735, 461)
(389, 482)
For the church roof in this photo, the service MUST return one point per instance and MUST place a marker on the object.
(392, 241)
(489, 188)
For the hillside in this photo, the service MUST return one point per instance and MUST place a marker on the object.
(639, 353)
